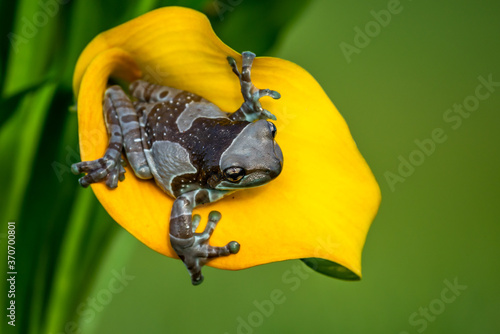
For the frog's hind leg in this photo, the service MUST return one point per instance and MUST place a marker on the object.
(132, 136)
(124, 132)
(193, 248)
(109, 166)
(251, 109)
(147, 92)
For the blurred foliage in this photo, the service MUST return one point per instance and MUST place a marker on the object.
(62, 232)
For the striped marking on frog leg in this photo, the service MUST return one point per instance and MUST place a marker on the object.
(129, 123)
(251, 109)
(143, 109)
(193, 248)
(108, 167)
(148, 92)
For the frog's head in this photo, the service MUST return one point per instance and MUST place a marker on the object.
(253, 159)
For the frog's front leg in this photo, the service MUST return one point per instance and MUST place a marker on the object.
(251, 109)
(193, 248)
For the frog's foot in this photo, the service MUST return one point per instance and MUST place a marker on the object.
(195, 251)
(108, 168)
(251, 109)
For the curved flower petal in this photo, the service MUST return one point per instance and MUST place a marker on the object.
(322, 204)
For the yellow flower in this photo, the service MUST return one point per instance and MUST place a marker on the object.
(321, 205)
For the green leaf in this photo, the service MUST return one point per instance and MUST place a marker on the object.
(32, 45)
(331, 269)
(9, 105)
(252, 25)
(19, 144)
(22, 131)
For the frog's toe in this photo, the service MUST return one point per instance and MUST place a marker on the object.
(121, 175)
(75, 169)
(112, 178)
(193, 265)
(195, 222)
(234, 247)
(87, 166)
(231, 248)
(115, 174)
(98, 170)
(196, 275)
(93, 177)
(213, 219)
(197, 280)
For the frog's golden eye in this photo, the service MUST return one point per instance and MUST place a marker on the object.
(234, 174)
(273, 129)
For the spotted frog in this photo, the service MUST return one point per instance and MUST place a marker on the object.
(194, 151)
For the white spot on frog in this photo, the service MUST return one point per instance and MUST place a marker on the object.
(196, 110)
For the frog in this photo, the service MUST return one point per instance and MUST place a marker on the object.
(194, 151)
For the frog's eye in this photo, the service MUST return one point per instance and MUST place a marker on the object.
(272, 128)
(234, 174)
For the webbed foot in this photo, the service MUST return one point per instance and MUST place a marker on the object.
(251, 109)
(195, 251)
(108, 168)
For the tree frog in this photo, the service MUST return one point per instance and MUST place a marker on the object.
(194, 151)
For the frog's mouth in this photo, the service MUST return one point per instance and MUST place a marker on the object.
(257, 178)
(254, 179)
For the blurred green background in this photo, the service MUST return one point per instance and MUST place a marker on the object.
(430, 263)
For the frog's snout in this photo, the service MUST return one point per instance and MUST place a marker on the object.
(278, 153)
(276, 170)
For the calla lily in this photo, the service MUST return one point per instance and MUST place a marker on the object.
(322, 204)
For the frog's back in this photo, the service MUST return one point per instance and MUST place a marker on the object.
(183, 137)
